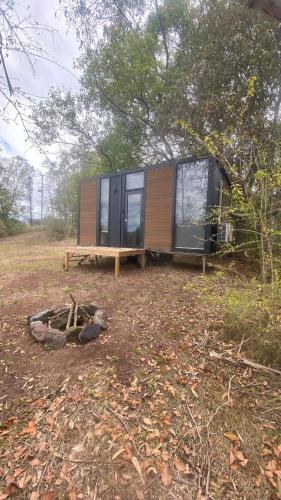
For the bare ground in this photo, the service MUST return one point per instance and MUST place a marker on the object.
(143, 412)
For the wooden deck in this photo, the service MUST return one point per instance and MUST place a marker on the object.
(91, 251)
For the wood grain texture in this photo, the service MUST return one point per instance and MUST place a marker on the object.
(88, 211)
(159, 208)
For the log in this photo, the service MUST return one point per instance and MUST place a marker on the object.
(75, 315)
(69, 316)
(240, 363)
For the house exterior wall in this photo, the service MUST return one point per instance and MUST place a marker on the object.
(88, 212)
(159, 208)
(159, 197)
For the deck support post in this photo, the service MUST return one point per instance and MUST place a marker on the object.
(204, 261)
(66, 261)
(117, 266)
(142, 260)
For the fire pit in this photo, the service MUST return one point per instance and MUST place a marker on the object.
(74, 322)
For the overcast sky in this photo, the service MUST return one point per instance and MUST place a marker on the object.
(62, 47)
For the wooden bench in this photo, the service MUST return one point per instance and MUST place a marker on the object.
(91, 251)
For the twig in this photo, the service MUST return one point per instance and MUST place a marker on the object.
(73, 299)
(270, 409)
(243, 362)
(124, 425)
(243, 341)
(207, 482)
(96, 490)
(193, 421)
(223, 404)
(60, 313)
(142, 381)
(85, 313)
(90, 460)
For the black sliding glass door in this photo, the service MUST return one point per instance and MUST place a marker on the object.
(133, 222)
(133, 218)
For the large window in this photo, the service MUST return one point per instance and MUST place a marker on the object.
(191, 204)
(104, 212)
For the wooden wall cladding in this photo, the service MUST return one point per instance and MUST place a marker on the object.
(159, 208)
(88, 210)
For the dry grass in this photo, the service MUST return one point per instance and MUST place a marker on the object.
(143, 412)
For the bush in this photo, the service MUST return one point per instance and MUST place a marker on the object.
(3, 229)
(57, 229)
(15, 226)
(251, 315)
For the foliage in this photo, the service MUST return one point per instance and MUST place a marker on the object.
(250, 152)
(16, 187)
(62, 185)
(250, 316)
(3, 229)
(57, 229)
(146, 65)
(15, 226)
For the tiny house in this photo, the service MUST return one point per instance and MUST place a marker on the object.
(163, 208)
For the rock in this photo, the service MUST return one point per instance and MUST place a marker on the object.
(55, 339)
(73, 332)
(41, 316)
(101, 319)
(89, 332)
(39, 332)
(34, 324)
(91, 308)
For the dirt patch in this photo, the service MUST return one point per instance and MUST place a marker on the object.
(141, 412)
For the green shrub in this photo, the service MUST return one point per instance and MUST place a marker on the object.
(15, 226)
(251, 314)
(3, 229)
(57, 229)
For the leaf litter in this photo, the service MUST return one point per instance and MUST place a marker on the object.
(161, 421)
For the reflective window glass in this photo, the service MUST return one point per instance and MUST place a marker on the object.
(135, 180)
(191, 204)
(104, 212)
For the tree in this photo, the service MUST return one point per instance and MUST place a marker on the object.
(144, 72)
(15, 188)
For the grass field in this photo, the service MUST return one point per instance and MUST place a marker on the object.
(143, 412)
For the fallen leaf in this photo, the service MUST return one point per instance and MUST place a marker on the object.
(35, 462)
(139, 495)
(258, 480)
(166, 476)
(136, 464)
(29, 429)
(179, 465)
(231, 436)
(187, 450)
(49, 495)
(231, 457)
(147, 421)
(22, 481)
(239, 455)
(34, 495)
